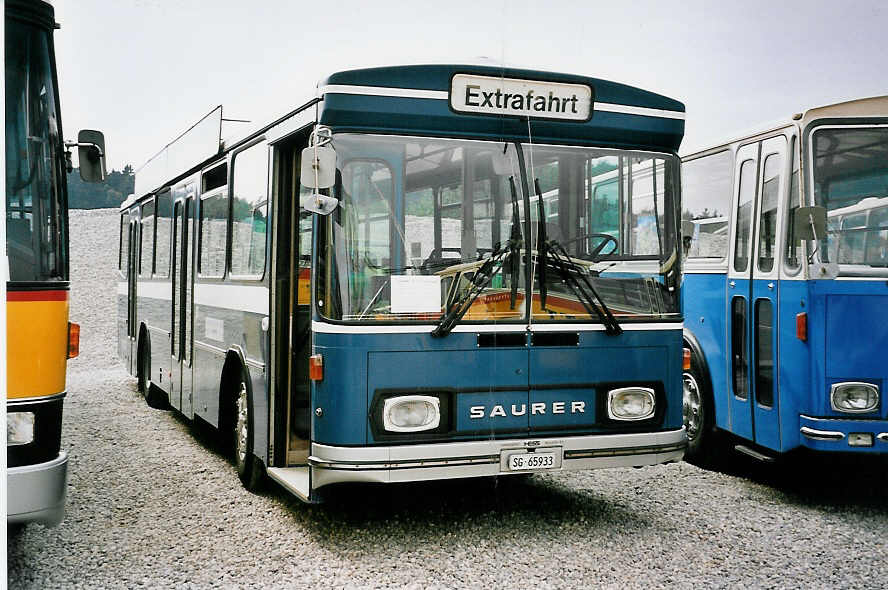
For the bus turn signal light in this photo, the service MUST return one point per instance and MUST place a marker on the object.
(316, 367)
(685, 359)
(73, 340)
(802, 326)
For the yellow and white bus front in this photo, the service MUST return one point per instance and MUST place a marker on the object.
(38, 336)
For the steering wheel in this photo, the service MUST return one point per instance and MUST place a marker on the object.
(593, 255)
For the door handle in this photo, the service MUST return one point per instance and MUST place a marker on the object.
(732, 284)
(771, 286)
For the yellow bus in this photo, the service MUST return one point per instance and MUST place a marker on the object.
(39, 337)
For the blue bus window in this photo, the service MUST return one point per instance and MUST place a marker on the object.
(744, 215)
(738, 347)
(764, 357)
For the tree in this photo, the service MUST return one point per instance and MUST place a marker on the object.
(110, 193)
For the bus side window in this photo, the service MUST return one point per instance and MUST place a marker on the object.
(794, 202)
(768, 217)
(706, 202)
(123, 258)
(146, 258)
(249, 211)
(213, 223)
(744, 215)
(163, 222)
(877, 238)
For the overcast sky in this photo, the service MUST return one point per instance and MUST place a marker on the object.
(143, 70)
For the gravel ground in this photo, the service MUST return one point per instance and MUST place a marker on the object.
(151, 503)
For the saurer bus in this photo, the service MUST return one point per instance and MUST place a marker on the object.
(34, 266)
(409, 278)
(786, 286)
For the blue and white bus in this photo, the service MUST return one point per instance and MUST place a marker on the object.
(786, 285)
(408, 278)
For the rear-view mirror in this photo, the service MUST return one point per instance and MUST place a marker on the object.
(91, 155)
(809, 223)
(318, 168)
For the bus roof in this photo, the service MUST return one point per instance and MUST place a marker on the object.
(876, 106)
(437, 100)
(420, 100)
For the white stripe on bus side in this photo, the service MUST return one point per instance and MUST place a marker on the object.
(444, 95)
(249, 298)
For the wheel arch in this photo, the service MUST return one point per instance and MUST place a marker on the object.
(691, 342)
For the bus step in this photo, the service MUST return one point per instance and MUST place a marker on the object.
(754, 454)
(294, 479)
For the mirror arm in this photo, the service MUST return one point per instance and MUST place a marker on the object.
(73, 144)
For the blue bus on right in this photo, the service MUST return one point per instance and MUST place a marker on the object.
(785, 293)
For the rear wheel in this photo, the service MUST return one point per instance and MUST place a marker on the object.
(154, 397)
(249, 467)
(698, 415)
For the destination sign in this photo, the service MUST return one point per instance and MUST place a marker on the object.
(510, 96)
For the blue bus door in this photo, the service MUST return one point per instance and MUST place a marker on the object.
(753, 291)
(765, 292)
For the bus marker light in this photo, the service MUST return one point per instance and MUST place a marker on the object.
(802, 326)
(860, 439)
(73, 340)
(316, 367)
(686, 359)
(19, 428)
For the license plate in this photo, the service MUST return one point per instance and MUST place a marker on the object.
(524, 461)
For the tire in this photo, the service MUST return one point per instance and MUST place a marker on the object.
(249, 467)
(143, 368)
(698, 416)
(154, 397)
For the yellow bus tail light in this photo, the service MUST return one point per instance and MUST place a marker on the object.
(73, 340)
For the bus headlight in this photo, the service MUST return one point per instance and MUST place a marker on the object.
(630, 403)
(19, 428)
(411, 413)
(854, 397)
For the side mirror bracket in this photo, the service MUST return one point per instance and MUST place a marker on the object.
(90, 146)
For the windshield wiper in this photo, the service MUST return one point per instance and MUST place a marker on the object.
(509, 252)
(582, 288)
(542, 245)
(480, 280)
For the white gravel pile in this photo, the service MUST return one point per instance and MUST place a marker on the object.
(151, 505)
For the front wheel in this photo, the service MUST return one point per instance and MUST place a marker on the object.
(249, 467)
(698, 416)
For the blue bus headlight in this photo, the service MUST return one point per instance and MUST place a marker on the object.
(854, 397)
(630, 403)
(411, 413)
(19, 428)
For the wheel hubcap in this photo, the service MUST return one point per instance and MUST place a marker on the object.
(691, 406)
(240, 427)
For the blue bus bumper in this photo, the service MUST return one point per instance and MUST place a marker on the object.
(836, 434)
(390, 464)
(36, 493)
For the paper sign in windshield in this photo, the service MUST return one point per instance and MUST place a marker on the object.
(416, 294)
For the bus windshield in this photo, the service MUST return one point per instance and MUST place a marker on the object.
(35, 220)
(850, 173)
(425, 224)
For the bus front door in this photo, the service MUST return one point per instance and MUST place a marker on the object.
(753, 290)
(132, 275)
(181, 392)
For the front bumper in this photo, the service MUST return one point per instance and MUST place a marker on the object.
(36, 493)
(404, 463)
(836, 434)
